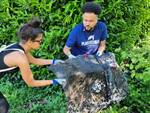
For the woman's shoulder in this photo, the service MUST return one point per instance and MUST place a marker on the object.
(19, 57)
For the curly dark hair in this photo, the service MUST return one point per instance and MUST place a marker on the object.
(91, 7)
(30, 30)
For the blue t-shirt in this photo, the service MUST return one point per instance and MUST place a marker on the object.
(82, 41)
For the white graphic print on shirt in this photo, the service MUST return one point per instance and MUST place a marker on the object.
(90, 41)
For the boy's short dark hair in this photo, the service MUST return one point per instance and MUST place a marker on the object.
(91, 7)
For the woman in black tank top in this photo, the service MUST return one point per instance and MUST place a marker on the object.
(18, 56)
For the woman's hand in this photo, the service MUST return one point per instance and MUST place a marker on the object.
(56, 61)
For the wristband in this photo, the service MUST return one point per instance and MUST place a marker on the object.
(53, 62)
(99, 53)
(55, 82)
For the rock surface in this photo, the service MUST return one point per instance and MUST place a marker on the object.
(93, 83)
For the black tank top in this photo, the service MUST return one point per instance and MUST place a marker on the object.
(11, 48)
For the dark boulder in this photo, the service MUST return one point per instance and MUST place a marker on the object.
(93, 82)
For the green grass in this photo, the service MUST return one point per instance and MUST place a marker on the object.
(23, 99)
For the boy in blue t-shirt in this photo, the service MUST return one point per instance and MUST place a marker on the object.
(88, 37)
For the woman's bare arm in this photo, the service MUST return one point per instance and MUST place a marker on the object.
(38, 61)
(26, 72)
